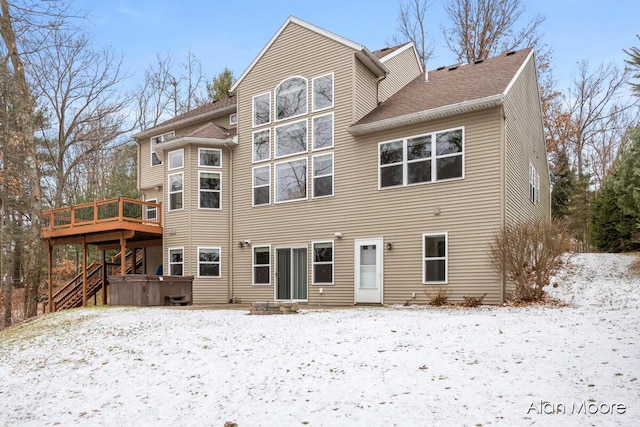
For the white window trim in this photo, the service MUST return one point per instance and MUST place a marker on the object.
(253, 265)
(253, 186)
(253, 152)
(219, 262)
(313, 134)
(181, 151)
(201, 149)
(169, 192)
(313, 92)
(169, 263)
(275, 181)
(275, 139)
(212, 191)
(446, 258)
(275, 99)
(313, 176)
(434, 158)
(313, 263)
(162, 137)
(148, 209)
(253, 110)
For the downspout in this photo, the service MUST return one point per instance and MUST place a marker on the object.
(230, 227)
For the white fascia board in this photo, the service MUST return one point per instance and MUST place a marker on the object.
(181, 142)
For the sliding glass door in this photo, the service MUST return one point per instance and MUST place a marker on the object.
(291, 273)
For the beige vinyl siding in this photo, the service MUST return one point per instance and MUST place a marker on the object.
(524, 144)
(295, 52)
(191, 228)
(365, 91)
(403, 68)
(150, 176)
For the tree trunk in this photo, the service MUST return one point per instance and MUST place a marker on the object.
(25, 135)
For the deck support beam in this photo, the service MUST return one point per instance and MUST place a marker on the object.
(104, 277)
(123, 254)
(50, 274)
(84, 271)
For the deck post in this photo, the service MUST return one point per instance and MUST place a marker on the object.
(104, 277)
(84, 271)
(50, 274)
(123, 254)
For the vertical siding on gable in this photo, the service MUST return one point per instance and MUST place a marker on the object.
(403, 68)
(524, 143)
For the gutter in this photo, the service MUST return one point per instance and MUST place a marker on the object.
(423, 116)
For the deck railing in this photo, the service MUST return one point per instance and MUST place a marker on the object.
(86, 215)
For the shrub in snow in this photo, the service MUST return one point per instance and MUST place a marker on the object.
(528, 253)
(438, 298)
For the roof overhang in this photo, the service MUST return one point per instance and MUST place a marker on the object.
(371, 62)
(424, 116)
(176, 143)
(158, 130)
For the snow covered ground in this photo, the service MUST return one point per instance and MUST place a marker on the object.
(395, 366)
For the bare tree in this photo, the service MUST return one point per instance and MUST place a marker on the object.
(78, 88)
(163, 94)
(412, 23)
(479, 29)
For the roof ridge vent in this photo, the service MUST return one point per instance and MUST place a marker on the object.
(510, 53)
(478, 61)
(453, 67)
(441, 68)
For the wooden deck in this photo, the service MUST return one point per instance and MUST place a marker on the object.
(99, 220)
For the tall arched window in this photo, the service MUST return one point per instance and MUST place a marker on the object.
(291, 98)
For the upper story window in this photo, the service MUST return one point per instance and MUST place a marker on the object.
(176, 191)
(322, 175)
(209, 190)
(262, 185)
(151, 212)
(155, 140)
(209, 157)
(415, 160)
(261, 145)
(323, 92)
(291, 98)
(534, 184)
(291, 180)
(322, 131)
(291, 138)
(261, 109)
(175, 159)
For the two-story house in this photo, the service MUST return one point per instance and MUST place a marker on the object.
(336, 175)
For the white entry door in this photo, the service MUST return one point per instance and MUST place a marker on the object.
(368, 271)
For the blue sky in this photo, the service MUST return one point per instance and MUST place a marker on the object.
(232, 32)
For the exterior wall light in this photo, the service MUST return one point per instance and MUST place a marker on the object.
(389, 245)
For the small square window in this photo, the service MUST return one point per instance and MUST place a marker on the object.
(209, 157)
(176, 159)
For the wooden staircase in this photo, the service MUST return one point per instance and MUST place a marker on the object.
(70, 295)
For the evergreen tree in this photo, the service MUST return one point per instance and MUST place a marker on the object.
(220, 85)
(615, 216)
(563, 181)
(634, 62)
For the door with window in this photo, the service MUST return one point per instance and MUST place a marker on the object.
(368, 271)
(291, 274)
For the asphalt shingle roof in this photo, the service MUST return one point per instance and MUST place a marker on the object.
(451, 85)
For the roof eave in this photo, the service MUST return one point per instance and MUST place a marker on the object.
(160, 129)
(185, 140)
(424, 116)
(372, 63)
